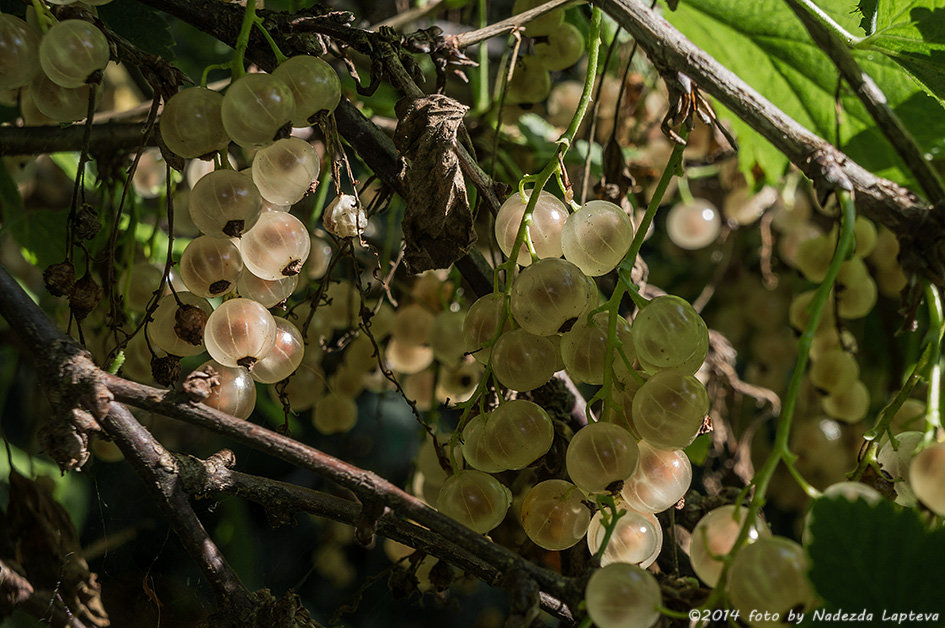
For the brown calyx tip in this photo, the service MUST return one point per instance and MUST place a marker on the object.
(567, 325)
(85, 296)
(234, 228)
(247, 362)
(219, 287)
(292, 268)
(189, 323)
(165, 369)
(59, 278)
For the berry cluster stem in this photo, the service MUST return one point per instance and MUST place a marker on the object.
(44, 16)
(625, 284)
(781, 451)
(608, 520)
(242, 40)
(926, 367)
(539, 180)
(564, 143)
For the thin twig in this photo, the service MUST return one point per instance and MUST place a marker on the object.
(204, 478)
(507, 25)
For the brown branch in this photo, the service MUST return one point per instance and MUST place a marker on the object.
(875, 102)
(106, 138)
(280, 499)
(364, 484)
(880, 199)
(158, 469)
(507, 25)
(155, 465)
(918, 230)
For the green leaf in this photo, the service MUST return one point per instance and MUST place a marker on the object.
(912, 33)
(879, 557)
(70, 489)
(868, 9)
(765, 44)
(41, 235)
(143, 26)
(698, 451)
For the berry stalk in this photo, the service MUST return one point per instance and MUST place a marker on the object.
(781, 452)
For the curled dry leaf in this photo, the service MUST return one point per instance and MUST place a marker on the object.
(48, 548)
(438, 225)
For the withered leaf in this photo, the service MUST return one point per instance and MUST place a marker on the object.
(438, 225)
(45, 542)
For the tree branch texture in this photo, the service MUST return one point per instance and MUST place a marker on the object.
(507, 25)
(366, 485)
(85, 399)
(875, 102)
(106, 138)
(877, 198)
(158, 468)
(215, 477)
(892, 205)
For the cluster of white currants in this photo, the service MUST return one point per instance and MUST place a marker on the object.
(655, 408)
(52, 70)
(834, 369)
(251, 247)
(557, 46)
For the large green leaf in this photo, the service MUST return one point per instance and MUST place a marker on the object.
(912, 33)
(879, 558)
(766, 45)
(41, 234)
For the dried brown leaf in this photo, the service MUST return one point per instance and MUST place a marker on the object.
(438, 224)
(47, 545)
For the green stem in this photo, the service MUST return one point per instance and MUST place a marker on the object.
(242, 40)
(204, 78)
(564, 143)
(624, 285)
(280, 57)
(848, 38)
(609, 521)
(44, 16)
(673, 166)
(481, 97)
(684, 192)
(781, 451)
(925, 366)
(671, 613)
(467, 411)
(539, 181)
(933, 412)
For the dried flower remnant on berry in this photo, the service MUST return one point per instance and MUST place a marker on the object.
(166, 369)
(190, 321)
(59, 278)
(85, 296)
